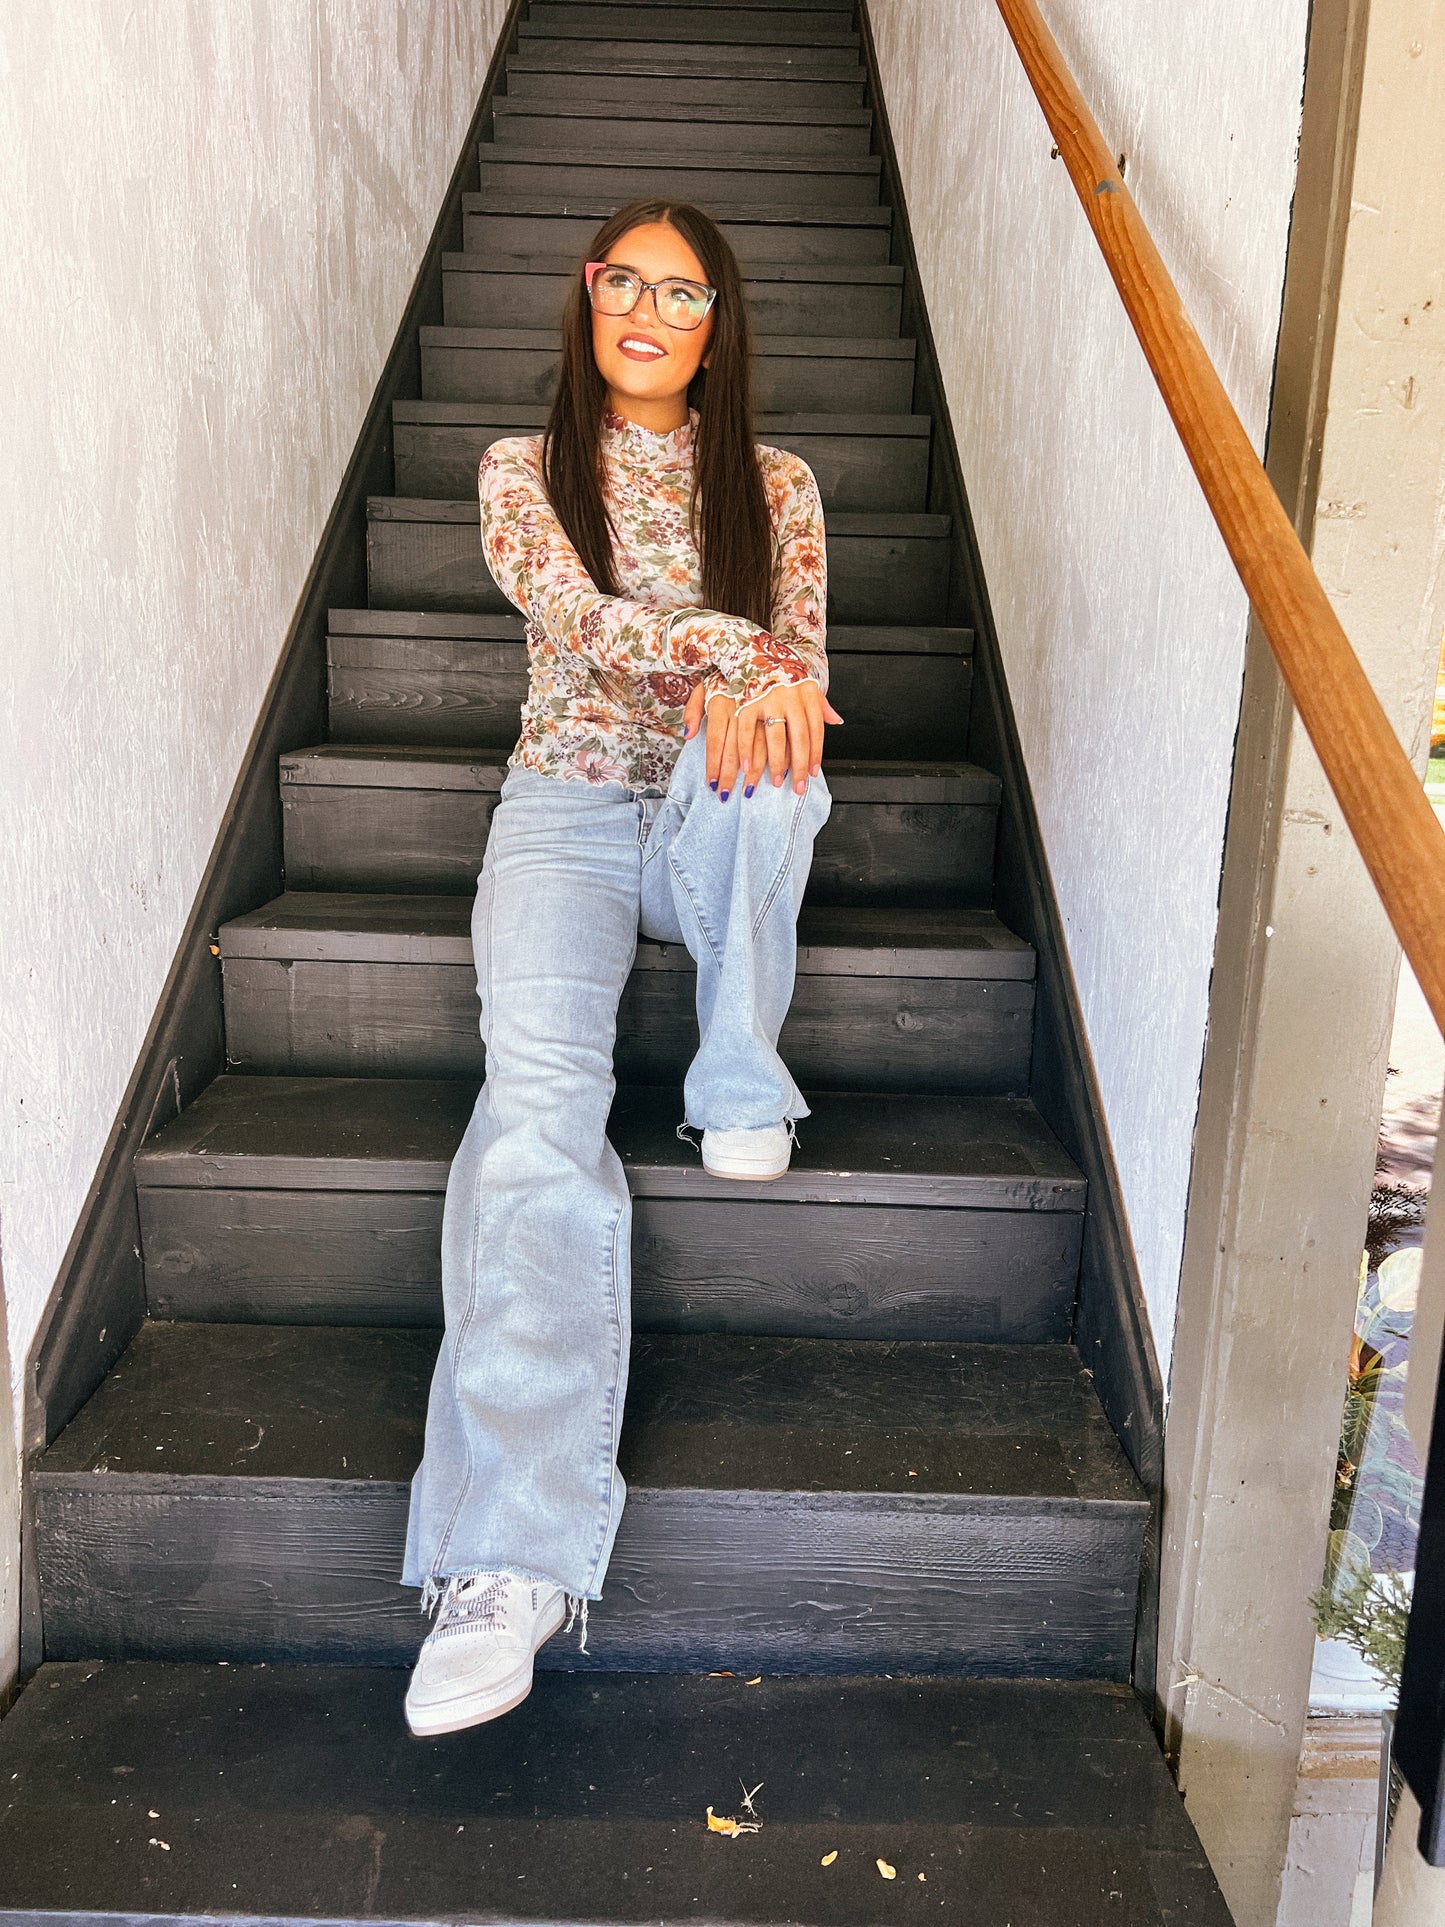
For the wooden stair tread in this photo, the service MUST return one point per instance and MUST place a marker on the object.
(853, 1419)
(753, 161)
(443, 625)
(831, 347)
(867, 274)
(525, 415)
(400, 1134)
(439, 767)
(597, 207)
(1018, 1800)
(664, 113)
(374, 927)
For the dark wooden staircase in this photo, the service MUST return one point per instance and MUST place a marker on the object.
(865, 1460)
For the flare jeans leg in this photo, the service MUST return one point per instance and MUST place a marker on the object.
(520, 1464)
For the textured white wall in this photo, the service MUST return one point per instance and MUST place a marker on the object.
(1119, 615)
(214, 213)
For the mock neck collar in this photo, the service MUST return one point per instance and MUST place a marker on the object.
(636, 446)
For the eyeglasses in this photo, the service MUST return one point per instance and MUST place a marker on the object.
(679, 303)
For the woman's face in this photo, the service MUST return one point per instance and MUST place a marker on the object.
(647, 365)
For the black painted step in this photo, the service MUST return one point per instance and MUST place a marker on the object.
(540, 82)
(410, 818)
(661, 60)
(514, 224)
(668, 126)
(633, 174)
(337, 985)
(294, 1794)
(318, 1200)
(492, 291)
(793, 373)
(423, 554)
(412, 678)
(865, 464)
(698, 26)
(819, 1505)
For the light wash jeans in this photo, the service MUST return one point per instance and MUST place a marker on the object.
(520, 1465)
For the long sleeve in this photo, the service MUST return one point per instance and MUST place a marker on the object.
(536, 567)
(795, 649)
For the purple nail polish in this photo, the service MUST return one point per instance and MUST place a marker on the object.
(713, 784)
(749, 790)
(722, 796)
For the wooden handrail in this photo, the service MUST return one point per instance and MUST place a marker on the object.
(1379, 793)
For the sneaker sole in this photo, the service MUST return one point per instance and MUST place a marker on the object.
(734, 1171)
(475, 1709)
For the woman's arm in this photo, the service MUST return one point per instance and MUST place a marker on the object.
(536, 567)
(794, 651)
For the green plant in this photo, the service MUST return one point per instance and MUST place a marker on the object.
(1369, 1611)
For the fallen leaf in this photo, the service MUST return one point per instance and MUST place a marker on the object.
(720, 1823)
(888, 1873)
(923, 1876)
(722, 1675)
(828, 1858)
(754, 1682)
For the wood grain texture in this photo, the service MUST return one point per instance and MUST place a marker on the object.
(1398, 834)
(757, 234)
(426, 555)
(737, 26)
(863, 464)
(274, 1460)
(439, 690)
(684, 128)
(415, 839)
(333, 1018)
(786, 180)
(535, 85)
(699, 1264)
(482, 364)
(1030, 1802)
(477, 293)
(374, 1134)
(599, 51)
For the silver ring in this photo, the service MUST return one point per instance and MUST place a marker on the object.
(768, 721)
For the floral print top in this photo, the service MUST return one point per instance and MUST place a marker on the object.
(610, 675)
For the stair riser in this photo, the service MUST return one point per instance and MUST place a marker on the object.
(288, 1570)
(432, 841)
(698, 1264)
(438, 566)
(698, 26)
(765, 96)
(402, 690)
(607, 53)
(756, 243)
(703, 186)
(330, 1019)
(857, 474)
(486, 299)
(783, 384)
(614, 133)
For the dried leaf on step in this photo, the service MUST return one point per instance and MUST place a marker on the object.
(888, 1873)
(828, 1858)
(720, 1823)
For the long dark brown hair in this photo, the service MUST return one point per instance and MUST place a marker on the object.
(729, 508)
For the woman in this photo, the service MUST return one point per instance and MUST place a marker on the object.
(668, 776)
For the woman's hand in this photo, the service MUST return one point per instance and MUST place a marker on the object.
(746, 741)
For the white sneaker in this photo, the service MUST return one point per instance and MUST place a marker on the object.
(476, 1662)
(747, 1154)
